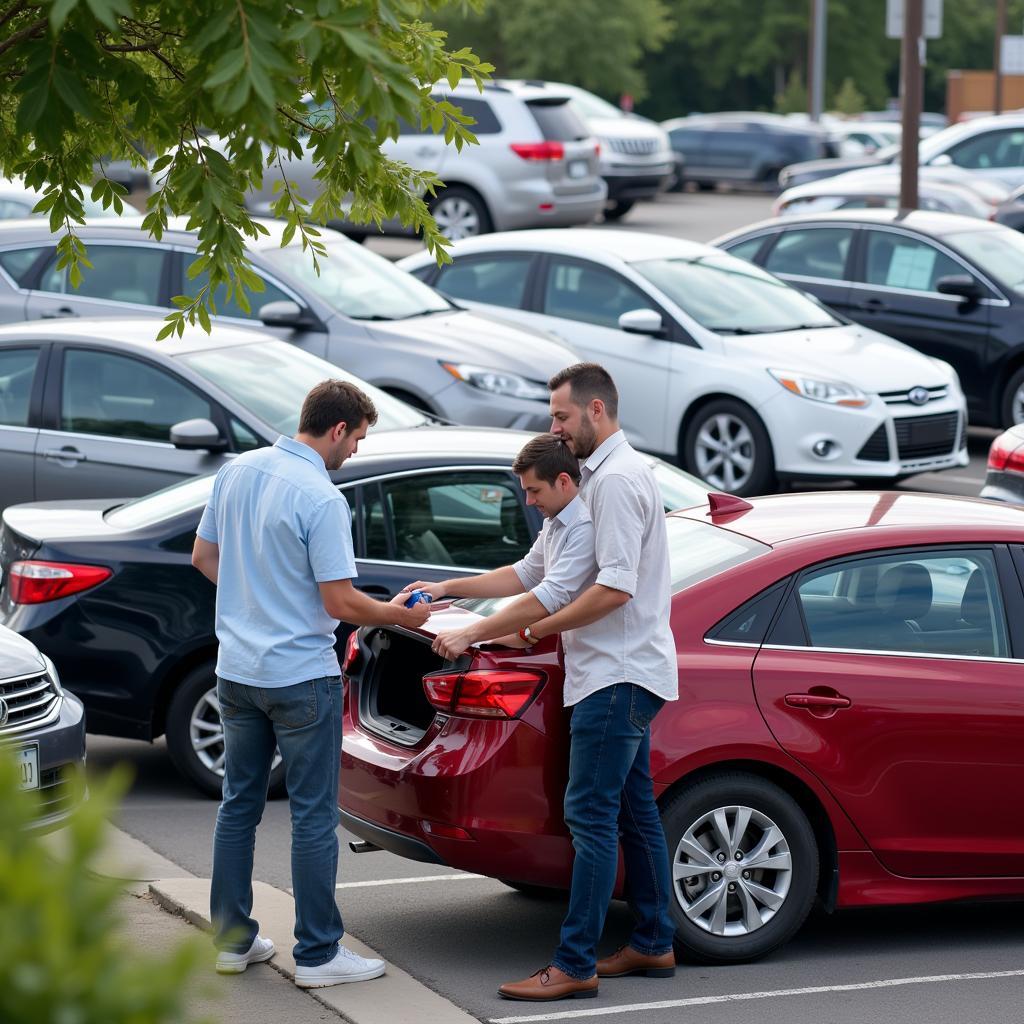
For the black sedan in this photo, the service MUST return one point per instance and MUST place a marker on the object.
(951, 287)
(1004, 478)
(108, 591)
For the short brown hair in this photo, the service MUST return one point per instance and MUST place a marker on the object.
(332, 402)
(549, 458)
(588, 381)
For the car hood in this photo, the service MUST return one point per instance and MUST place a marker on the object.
(18, 656)
(850, 353)
(481, 339)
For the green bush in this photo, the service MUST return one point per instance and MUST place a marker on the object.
(63, 959)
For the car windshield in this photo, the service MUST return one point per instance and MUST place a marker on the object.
(272, 378)
(187, 496)
(357, 282)
(730, 296)
(678, 489)
(593, 106)
(999, 254)
(697, 551)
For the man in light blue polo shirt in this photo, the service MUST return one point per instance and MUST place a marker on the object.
(276, 539)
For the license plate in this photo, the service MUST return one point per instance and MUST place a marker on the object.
(929, 433)
(578, 168)
(28, 764)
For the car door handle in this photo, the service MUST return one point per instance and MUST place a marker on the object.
(873, 305)
(817, 701)
(65, 455)
(61, 311)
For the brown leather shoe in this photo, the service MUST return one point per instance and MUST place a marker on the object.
(627, 960)
(547, 984)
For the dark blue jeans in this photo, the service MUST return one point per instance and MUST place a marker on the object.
(610, 796)
(304, 722)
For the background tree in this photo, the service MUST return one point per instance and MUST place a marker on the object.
(793, 99)
(597, 44)
(849, 99)
(83, 81)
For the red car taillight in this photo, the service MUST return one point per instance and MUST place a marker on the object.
(351, 659)
(37, 582)
(538, 150)
(1006, 454)
(482, 693)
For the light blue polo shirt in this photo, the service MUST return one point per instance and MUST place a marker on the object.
(282, 528)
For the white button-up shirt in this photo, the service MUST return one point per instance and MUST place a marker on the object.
(633, 643)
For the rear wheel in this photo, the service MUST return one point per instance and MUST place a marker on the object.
(460, 213)
(744, 868)
(618, 208)
(1013, 400)
(727, 446)
(195, 735)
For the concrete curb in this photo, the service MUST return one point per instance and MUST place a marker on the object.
(396, 998)
(123, 857)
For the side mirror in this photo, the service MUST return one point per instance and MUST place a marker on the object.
(197, 435)
(942, 160)
(642, 321)
(960, 284)
(284, 314)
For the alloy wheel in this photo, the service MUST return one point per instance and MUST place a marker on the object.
(1017, 406)
(457, 218)
(725, 452)
(732, 870)
(206, 734)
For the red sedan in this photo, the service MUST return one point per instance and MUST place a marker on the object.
(850, 722)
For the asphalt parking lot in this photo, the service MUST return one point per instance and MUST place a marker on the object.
(462, 935)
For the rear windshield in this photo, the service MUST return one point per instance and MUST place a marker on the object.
(557, 120)
(189, 496)
(696, 551)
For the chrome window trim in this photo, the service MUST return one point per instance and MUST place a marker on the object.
(731, 643)
(14, 426)
(105, 437)
(930, 295)
(422, 565)
(421, 472)
(896, 654)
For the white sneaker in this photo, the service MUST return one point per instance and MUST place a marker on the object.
(345, 967)
(234, 963)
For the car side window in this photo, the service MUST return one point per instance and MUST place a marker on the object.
(469, 518)
(119, 273)
(117, 396)
(944, 603)
(993, 149)
(17, 374)
(11, 209)
(18, 262)
(498, 280)
(746, 250)
(486, 123)
(591, 294)
(894, 260)
(811, 252)
(230, 307)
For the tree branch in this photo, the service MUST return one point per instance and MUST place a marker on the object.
(26, 33)
(15, 10)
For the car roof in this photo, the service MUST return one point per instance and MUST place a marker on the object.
(925, 221)
(781, 518)
(628, 246)
(131, 332)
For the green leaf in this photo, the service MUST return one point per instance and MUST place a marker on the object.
(226, 69)
(108, 11)
(59, 13)
(454, 75)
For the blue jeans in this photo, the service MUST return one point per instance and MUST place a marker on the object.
(304, 722)
(610, 795)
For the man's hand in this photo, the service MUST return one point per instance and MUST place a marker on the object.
(437, 591)
(511, 640)
(413, 617)
(453, 642)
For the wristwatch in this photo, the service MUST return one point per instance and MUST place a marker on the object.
(527, 636)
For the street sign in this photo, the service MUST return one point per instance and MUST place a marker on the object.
(1012, 59)
(932, 19)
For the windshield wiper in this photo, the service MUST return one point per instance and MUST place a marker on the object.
(372, 316)
(799, 327)
(735, 330)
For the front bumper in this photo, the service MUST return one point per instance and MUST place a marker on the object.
(797, 424)
(635, 185)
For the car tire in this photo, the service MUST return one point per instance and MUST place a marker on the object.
(536, 892)
(690, 817)
(748, 467)
(705, 186)
(460, 213)
(1012, 407)
(618, 208)
(192, 718)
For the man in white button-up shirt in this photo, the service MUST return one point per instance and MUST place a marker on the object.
(620, 680)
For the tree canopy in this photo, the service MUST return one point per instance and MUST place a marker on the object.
(85, 82)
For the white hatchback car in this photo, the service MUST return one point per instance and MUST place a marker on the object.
(741, 376)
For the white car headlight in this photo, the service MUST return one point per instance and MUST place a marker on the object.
(833, 392)
(497, 382)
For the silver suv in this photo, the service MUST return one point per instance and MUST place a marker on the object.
(536, 165)
(360, 312)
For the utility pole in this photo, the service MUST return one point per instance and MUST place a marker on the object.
(816, 58)
(913, 40)
(997, 59)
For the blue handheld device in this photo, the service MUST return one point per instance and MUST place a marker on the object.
(416, 596)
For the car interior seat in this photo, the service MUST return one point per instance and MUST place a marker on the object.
(414, 534)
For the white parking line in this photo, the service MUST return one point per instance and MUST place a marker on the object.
(736, 997)
(461, 877)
